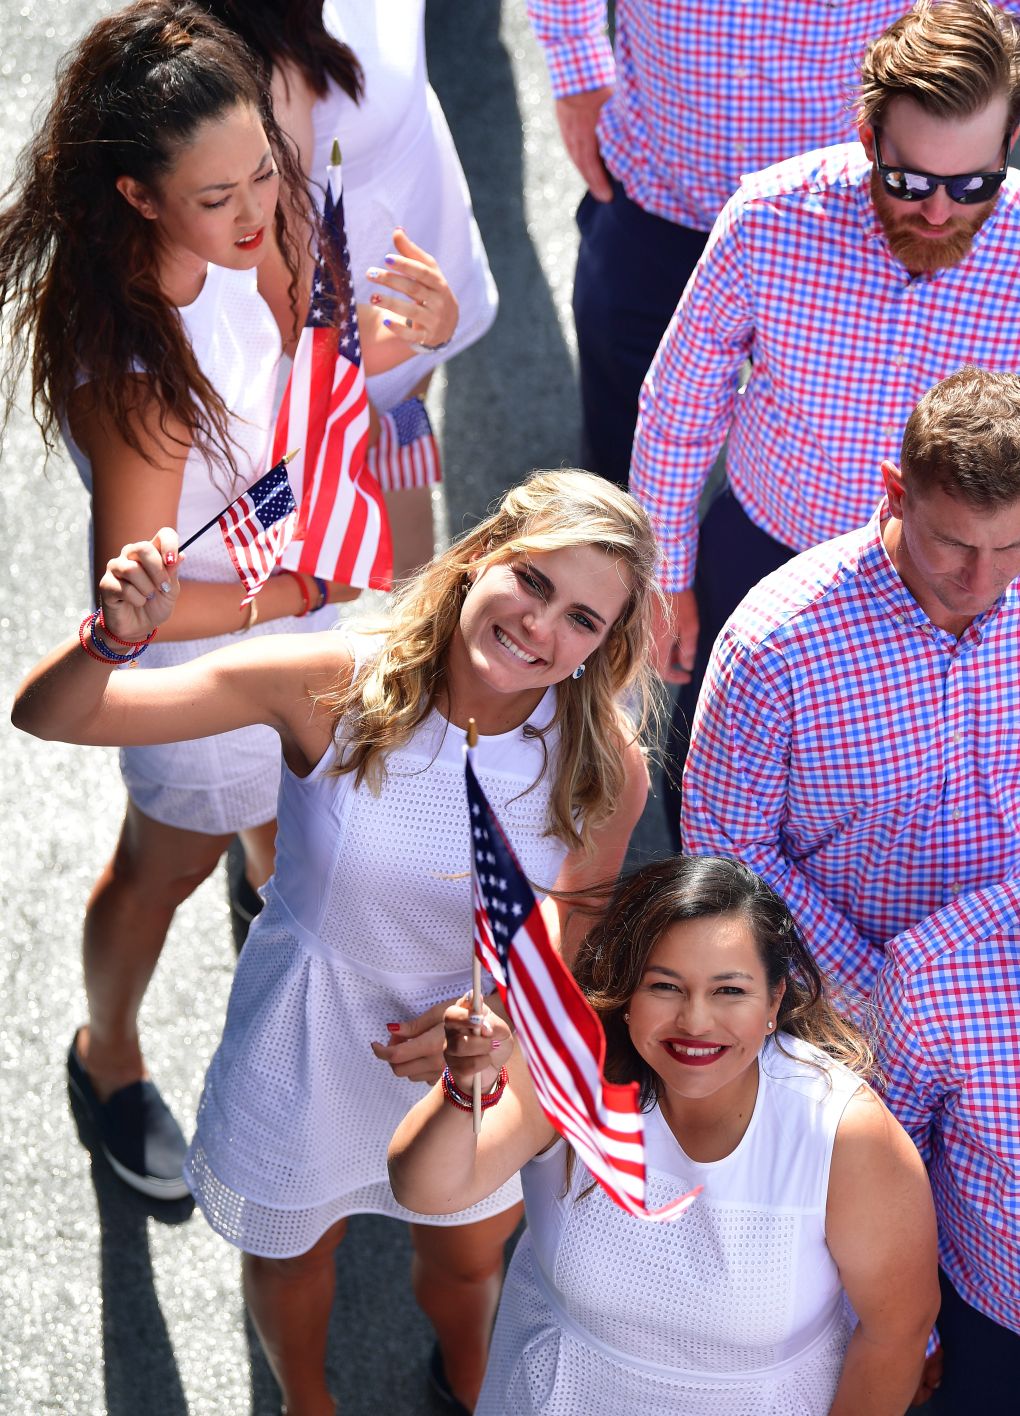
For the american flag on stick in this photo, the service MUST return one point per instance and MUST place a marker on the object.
(342, 532)
(556, 1027)
(256, 527)
(405, 454)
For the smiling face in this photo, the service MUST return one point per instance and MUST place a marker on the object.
(216, 203)
(528, 622)
(935, 233)
(701, 1011)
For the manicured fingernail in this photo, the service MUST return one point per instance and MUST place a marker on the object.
(496, 1043)
(375, 299)
(170, 558)
(388, 323)
(392, 1027)
(151, 595)
(165, 587)
(391, 260)
(409, 322)
(373, 272)
(400, 229)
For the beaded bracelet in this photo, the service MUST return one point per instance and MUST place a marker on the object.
(128, 643)
(323, 590)
(96, 649)
(306, 599)
(463, 1102)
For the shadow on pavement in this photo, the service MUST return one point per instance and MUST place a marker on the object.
(139, 1367)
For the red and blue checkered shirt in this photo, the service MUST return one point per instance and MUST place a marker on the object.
(798, 276)
(861, 759)
(707, 91)
(949, 1013)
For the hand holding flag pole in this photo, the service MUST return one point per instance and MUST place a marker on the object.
(476, 963)
(249, 494)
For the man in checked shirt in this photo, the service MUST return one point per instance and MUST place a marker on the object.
(854, 279)
(857, 737)
(696, 92)
(948, 1008)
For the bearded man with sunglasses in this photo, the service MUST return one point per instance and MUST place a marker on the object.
(853, 277)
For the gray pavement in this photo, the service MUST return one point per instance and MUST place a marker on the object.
(109, 1303)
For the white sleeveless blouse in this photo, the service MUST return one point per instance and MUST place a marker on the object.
(734, 1309)
(368, 920)
(217, 785)
(400, 168)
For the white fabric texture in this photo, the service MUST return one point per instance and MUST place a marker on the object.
(400, 168)
(217, 785)
(368, 920)
(734, 1309)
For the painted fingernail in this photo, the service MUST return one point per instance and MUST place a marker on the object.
(375, 299)
(391, 260)
(475, 1019)
(151, 595)
(409, 322)
(170, 558)
(392, 1027)
(165, 586)
(373, 272)
(496, 1044)
(388, 323)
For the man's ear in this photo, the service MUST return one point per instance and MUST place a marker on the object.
(866, 134)
(138, 196)
(895, 488)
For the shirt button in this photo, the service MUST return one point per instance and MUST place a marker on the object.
(957, 813)
(954, 887)
(740, 149)
(957, 737)
(742, 73)
(891, 430)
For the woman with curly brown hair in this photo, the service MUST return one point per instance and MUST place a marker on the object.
(142, 217)
(753, 1089)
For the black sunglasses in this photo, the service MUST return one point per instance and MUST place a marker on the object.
(965, 188)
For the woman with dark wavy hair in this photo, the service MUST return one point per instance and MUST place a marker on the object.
(753, 1088)
(131, 245)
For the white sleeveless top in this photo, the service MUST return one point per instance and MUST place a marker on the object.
(217, 785)
(734, 1309)
(400, 168)
(368, 920)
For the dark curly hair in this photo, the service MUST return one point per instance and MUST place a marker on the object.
(78, 275)
(292, 32)
(611, 960)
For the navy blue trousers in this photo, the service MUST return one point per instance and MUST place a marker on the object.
(981, 1376)
(631, 271)
(733, 555)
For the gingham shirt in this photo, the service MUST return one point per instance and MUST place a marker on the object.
(950, 1023)
(706, 91)
(797, 275)
(862, 760)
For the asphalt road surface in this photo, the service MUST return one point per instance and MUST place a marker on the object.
(108, 1302)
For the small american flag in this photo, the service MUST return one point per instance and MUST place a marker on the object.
(405, 454)
(556, 1027)
(343, 532)
(257, 526)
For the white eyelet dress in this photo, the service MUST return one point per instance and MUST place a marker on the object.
(367, 920)
(734, 1309)
(400, 168)
(217, 785)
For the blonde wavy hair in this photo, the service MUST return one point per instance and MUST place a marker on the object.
(598, 716)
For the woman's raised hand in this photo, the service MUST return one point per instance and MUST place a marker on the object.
(475, 1043)
(431, 319)
(140, 587)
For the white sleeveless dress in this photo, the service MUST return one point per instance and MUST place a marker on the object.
(400, 168)
(734, 1309)
(217, 785)
(367, 920)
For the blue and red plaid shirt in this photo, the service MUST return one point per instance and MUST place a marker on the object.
(949, 1014)
(798, 276)
(707, 91)
(861, 759)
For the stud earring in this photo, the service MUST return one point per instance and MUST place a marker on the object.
(578, 672)
(771, 1025)
(626, 1017)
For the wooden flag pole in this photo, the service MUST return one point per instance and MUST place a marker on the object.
(476, 967)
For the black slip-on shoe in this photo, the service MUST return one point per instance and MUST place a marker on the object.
(441, 1387)
(245, 901)
(137, 1132)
